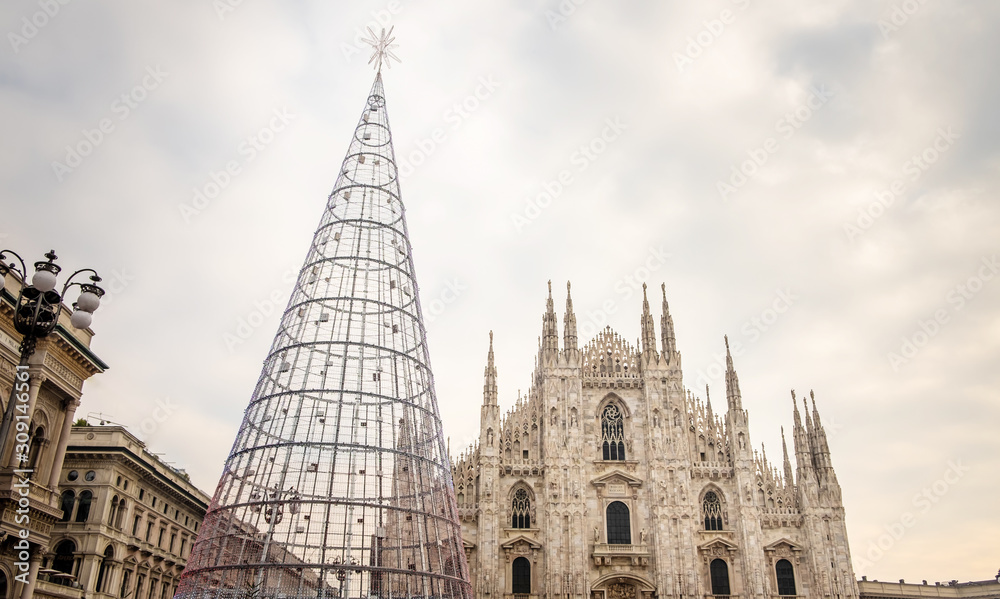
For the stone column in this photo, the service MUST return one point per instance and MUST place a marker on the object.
(28, 590)
(57, 459)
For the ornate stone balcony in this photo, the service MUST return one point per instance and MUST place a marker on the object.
(43, 510)
(48, 589)
(609, 554)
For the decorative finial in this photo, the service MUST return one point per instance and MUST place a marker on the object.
(550, 287)
(491, 338)
(382, 48)
(726, 337)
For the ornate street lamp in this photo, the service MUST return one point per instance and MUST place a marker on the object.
(37, 310)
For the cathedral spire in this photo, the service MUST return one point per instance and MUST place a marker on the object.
(708, 406)
(809, 422)
(569, 322)
(550, 327)
(787, 463)
(648, 332)
(490, 378)
(803, 455)
(733, 396)
(820, 445)
(667, 328)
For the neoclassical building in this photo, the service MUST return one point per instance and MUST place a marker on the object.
(128, 520)
(611, 480)
(58, 368)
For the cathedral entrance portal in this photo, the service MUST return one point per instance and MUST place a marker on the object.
(618, 586)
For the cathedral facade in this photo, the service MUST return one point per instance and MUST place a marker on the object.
(611, 480)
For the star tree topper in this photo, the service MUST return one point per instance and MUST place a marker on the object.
(382, 48)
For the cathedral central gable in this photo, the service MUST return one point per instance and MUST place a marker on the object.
(608, 355)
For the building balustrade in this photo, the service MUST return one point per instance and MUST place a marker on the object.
(604, 553)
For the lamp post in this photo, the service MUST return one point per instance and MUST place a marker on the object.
(36, 314)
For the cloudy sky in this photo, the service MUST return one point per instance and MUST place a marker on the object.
(816, 180)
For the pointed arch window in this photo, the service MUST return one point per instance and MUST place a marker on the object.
(520, 510)
(712, 508)
(786, 577)
(719, 571)
(619, 525)
(520, 575)
(612, 433)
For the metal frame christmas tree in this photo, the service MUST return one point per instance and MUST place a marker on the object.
(339, 484)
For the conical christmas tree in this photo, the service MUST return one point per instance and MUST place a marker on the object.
(338, 484)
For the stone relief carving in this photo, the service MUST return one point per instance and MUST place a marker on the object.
(621, 591)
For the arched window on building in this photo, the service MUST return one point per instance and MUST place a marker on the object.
(37, 443)
(121, 514)
(114, 511)
(520, 576)
(719, 571)
(712, 509)
(619, 526)
(68, 498)
(64, 558)
(83, 510)
(786, 577)
(3, 585)
(126, 579)
(613, 433)
(520, 510)
(103, 571)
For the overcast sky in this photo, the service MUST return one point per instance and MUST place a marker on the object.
(816, 180)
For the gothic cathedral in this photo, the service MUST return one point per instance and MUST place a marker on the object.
(610, 480)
